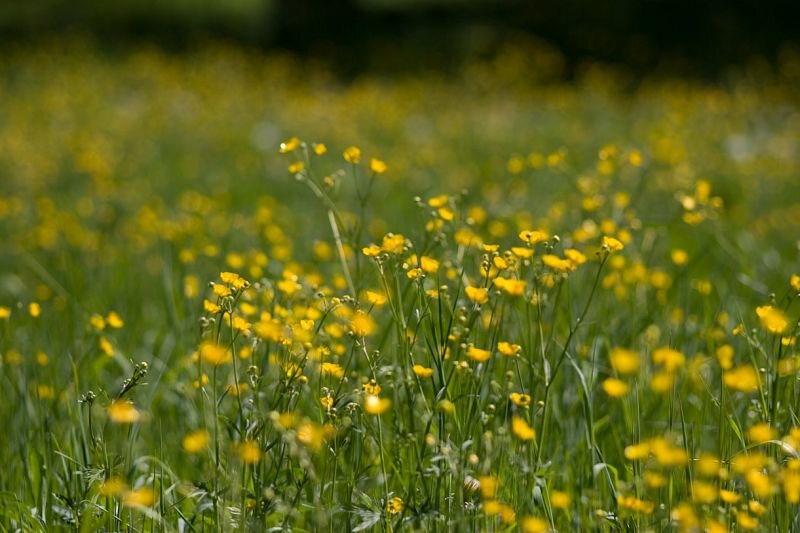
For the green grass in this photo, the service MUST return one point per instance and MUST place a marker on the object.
(373, 391)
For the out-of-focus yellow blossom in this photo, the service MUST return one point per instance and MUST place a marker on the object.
(616, 388)
(375, 405)
(123, 412)
(521, 429)
(612, 245)
(520, 399)
(195, 441)
(772, 319)
(377, 166)
(249, 452)
(422, 371)
(477, 295)
(352, 154)
(478, 355)
(508, 349)
(395, 505)
(742, 378)
(624, 361)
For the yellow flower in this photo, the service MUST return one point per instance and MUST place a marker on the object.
(114, 320)
(560, 499)
(512, 287)
(352, 155)
(5, 312)
(670, 358)
(333, 369)
(249, 452)
(113, 487)
(311, 434)
(772, 319)
(141, 497)
(534, 524)
(105, 346)
(393, 243)
(377, 166)
(221, 290)
(123, 412)
(376, 298)
(679, 257)
(556, 263)
(703, 492)
(371, 388)
(446, 406)
(395, 505)
(616, 388)
(428, 264)
(533, 236)
(759, 483)
(521, 429)
(414, 273)
(362, 324)
(662, 381)
(635, 504)
(422, 371)
(477, 295)
(756, 507)
(375, 405)
(214, 354)
(624, 361)
(707, 464)
(500, 263)
(520, 399)
(478, 355)
(745, 521)
(729, 496)
(506, 513)
(508, 349)
(45, 392)
(742, 378)
(575, 256)
(521, 252)
(794, 281)
(373, 250)
(612, 245)
(725, 356)
(445, 213)
(196, 441)
(290, 145)
(438, 201)
(296, 167)
(488, 486)
(637, 452)
(190, 286)
(654, 480)
(97, 322)
(761, 433)
(34, 309)
(791, 486)
(326, 401)
(233, 279)
(210, 307)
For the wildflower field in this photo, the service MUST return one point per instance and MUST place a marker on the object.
(240, 293)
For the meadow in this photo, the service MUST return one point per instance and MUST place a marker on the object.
(238, 292)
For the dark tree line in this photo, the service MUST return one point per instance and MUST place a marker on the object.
(699, 36)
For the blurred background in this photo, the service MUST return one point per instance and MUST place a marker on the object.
(700, 38)
(149, 130)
